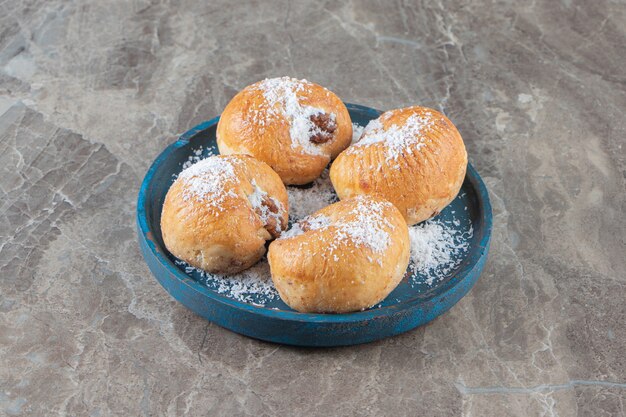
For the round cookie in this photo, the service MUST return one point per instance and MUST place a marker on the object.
(345, 257)
(413, 157)
(219, 213)
(294, 126)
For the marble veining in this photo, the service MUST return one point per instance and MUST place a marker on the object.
(92, 91)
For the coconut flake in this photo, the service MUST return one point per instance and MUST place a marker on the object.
(197, 156)
(357, 131)
(436, 249)
(253, 286)
(312, 223)
(281, 95)
(398, 140)
(206, 181)
(366, 228)
(306, 201)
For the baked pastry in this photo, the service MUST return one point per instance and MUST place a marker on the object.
(294, 126)
(219, 213)
(345, 257)
(413, 157)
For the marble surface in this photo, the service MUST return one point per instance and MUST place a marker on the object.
(92, 91)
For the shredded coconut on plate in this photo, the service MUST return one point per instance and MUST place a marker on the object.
(281, 95)
(254, 285)
(196, 156)
(357, 131)
(304, 201)
(435, 249)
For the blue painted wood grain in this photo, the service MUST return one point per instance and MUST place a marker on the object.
(407, 307)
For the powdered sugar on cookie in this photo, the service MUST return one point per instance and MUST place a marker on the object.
(281, 95)
(366, 225)
(398, 140)
(207, 181)
(369, 226)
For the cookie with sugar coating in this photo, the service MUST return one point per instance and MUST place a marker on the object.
(219, 213)
(345, 257)
(413, 157)
(294, 126)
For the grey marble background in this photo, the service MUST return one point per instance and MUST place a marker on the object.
(91, 91)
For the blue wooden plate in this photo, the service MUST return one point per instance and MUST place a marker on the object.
(419, 298)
